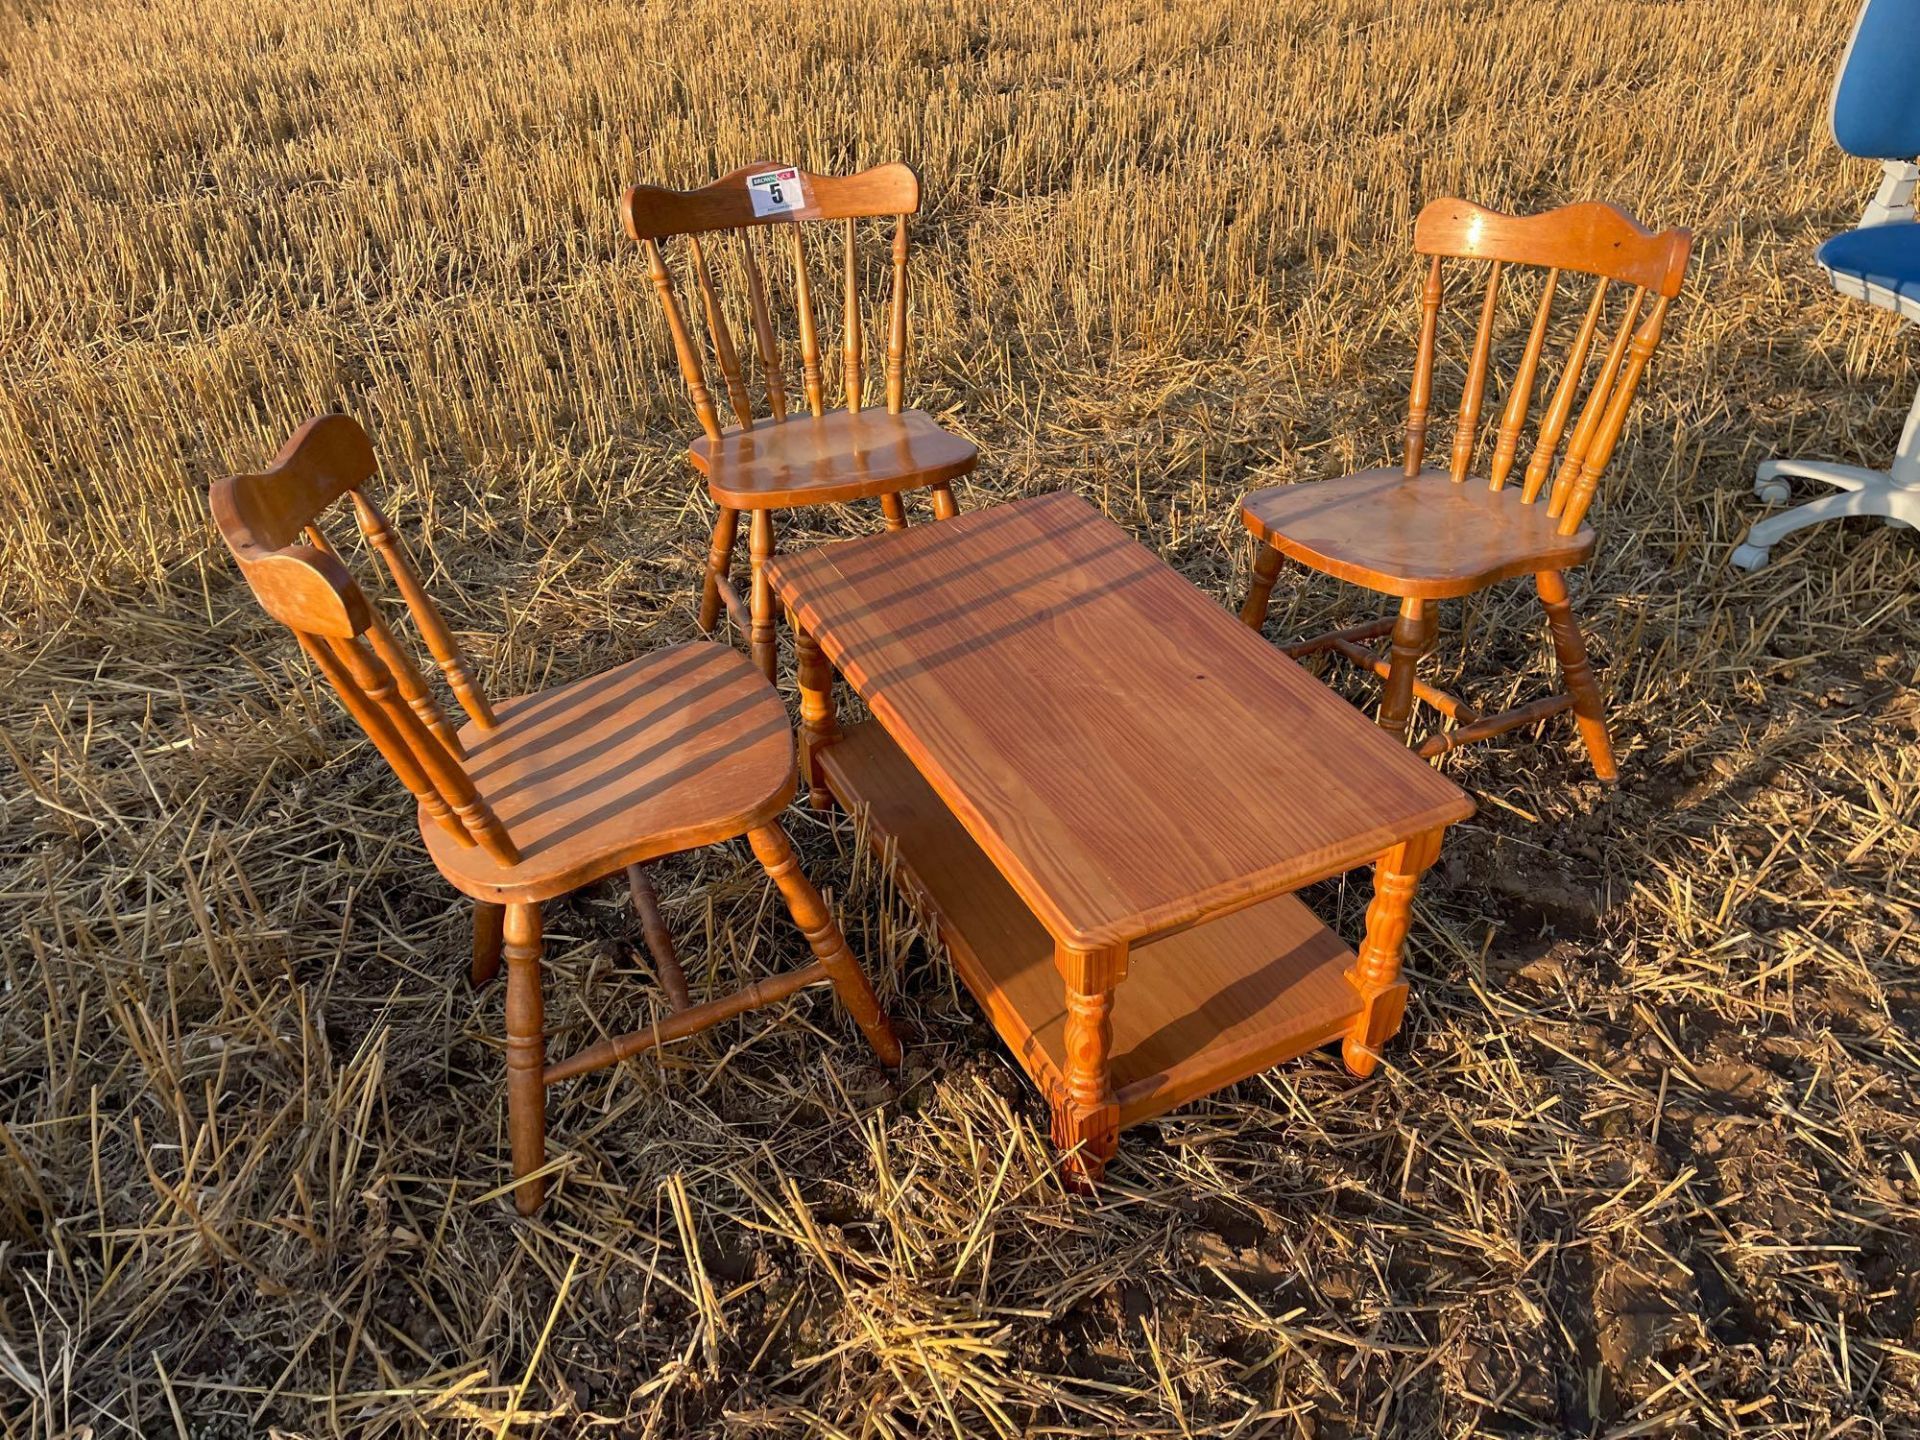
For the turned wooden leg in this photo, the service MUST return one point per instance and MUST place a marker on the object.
(1266, 570)
(1376, 971)
(945, 507)
(726, 525)
(1412, 633)
(487, 934)
(1589, 710)
(653, 929)
(829, 946)
(895, 509)
(1086, 1119)
(760, 548)
(526, 1055)
(819, 727)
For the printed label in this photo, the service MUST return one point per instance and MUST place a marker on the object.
(775, 191)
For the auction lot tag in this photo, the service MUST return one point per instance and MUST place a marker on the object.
(775, 191)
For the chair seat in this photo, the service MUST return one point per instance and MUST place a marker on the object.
(683, 747)
(1425, 538)
(817, 460)
(1879, 264)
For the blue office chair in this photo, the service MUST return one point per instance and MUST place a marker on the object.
(1876, 115)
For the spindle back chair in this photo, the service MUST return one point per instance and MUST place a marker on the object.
(801, 451)
(1422, 534)
(538, 795)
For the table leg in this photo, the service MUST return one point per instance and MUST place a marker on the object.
(1086, 1118)
(819, 726)
(1376, 971)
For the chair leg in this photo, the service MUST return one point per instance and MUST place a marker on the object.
(945, 507)
(1412, 633)
(1589, 710)
(526, 1055)
(726, 526)
(895, 509)
(760, 547)
(653, 929)
(1266, 570)
(487, 935)
(810, 913)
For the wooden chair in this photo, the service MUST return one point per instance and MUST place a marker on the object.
(1422, 534)
(814, 456)
(538, 795)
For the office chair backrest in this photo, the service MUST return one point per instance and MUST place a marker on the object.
(1876, 101)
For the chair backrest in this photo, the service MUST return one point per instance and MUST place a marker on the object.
(1876, 100)
(749, 199)
(1590, 239)
(271, 522)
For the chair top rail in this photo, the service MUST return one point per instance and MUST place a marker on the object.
(1593, 238)
(769, 193)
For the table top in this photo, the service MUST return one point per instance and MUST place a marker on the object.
(1130, 756)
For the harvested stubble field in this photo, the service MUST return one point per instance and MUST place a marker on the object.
(1643, 1160)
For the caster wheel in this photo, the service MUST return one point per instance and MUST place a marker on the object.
(1749, 557)
(1772, 492)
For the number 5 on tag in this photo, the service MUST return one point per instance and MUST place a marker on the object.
(775, 192)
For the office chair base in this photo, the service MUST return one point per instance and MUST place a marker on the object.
(1862, 492)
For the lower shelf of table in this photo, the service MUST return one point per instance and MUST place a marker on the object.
(1198, 1010)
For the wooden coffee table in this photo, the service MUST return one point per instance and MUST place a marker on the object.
(1093, 774)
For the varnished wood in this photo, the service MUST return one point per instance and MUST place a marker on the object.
(439, 639)
(1376, 971)
(761, 639)
(1412, 634)
(897, 322)
(1514, 417)
(1467, 433)
(1422, 538)
(819, 724)
(1051, 707)
(895, 511)
(850, 328)
(691, 370)
(684, 747)
(659, 939)
(1403, 535)
(489, 923)
(1592, 238)
(1420, 399)
(547, 792)
(837, 457)
(1201, 1008)
(788, 459)
(720, 335)
(763, 336)
(1590, 713)
(1554, 423)
(1086, 1117)
(1117, 688)
(775, 853)
(809, 335)
(1587, 427)
(652, 211)
(526, 1055)
(726, 529)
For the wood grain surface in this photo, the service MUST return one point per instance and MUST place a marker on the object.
(1129, 756)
